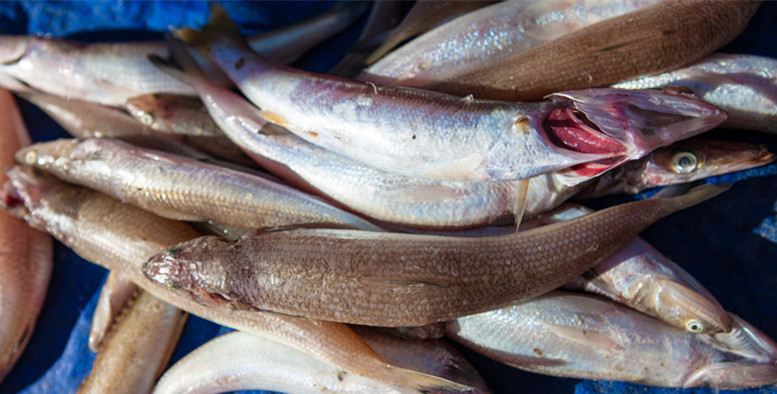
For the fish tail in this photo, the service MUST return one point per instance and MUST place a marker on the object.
(219, 27)
(417, 382)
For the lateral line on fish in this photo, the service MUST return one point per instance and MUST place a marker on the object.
(630, 42)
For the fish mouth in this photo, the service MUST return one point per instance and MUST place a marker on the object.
(746, 341)
(728, 156)
(623, 125)
(735, 375)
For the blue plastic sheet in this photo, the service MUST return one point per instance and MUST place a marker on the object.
(729, 243)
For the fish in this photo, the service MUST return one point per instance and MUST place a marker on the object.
(745, 86)
(660, 38)
(429, 134)
(489, 35)
(26, 255)
(588, 337)
(137, 348)
(115, 293)
(423, 16)
(394, 279)
(121, 237)
(180, 188)
(640, 277)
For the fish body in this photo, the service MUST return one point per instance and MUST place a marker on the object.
(660, 38)
(137, 348)
(488, 35)
(117, 236)
(421, 133)
(26, 255)
(583, 336)
(180, 188)
(391, 279)
(745, 86)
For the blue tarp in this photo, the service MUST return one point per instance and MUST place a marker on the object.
(729, 243)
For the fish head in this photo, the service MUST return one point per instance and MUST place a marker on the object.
(694, 159)
(45, 154)
(13, 48)
(626, 124)
(684, 307)
(180, 268)
(148, 109)
(736, 375)
(745, 341)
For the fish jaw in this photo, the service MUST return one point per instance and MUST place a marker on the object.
(733, 376)
(746, 341)
(13, 48)
(640, 121)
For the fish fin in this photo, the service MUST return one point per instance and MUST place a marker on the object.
(219, 26)
(399, 283)
(520, 202)
(693, 196)
(423, 383)
(531, 362)
(586, 337)
(115, 294)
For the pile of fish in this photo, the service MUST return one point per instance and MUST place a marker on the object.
(344, 223)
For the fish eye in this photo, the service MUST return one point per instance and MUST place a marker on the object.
(694, 326)
(684, 162)
(147, 118)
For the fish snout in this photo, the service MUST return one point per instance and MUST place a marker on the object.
(692, 311)
(746, 341)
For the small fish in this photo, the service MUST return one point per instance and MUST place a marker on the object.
(745, 86)
(392, 279)
(180, 188)
(120, 237)
(26, 255)
(113, 297)
(660, 38)
(428, 134)
(137, 348)
(587, 337)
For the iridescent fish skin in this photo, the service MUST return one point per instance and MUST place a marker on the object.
(137, 349)
(180, 188)
(642, 278)
(116, 236)
(745, 86)
(421, 133)
(583, 336)
(391, 279)
(26, 255)
(660, 38)
(489, 35)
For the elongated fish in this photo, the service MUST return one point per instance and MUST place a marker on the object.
(419, 133)
(666, 36)
(392, 279)
(488, 35)
(745, 86)
(115, 293)
(121, 237)
(583, 336)
(138, 347)
(26, 254)
(180, 188)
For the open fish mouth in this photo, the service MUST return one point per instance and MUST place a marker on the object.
(624, 125)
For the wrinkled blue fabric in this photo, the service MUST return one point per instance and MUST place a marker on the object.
(729, 243)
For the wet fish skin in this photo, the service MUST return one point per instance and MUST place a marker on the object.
(179, 188)
(455, 138)
(116, 236)
(576, 335)
(138, 347)
(115, 293)
(656, 39)
(390, 279)
(26, 255)
(489, 35)
(745, 86)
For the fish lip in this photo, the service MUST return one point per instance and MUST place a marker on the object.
(643, 120)
(746, 341)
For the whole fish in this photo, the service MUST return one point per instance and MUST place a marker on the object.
(115, 293)
(428, 134)
(26, 255)
(583, 336)
(413, 201)
(745, 86)
(180, 188)
(138, 347)
(121, 238)
(488, 35)
(392, 279)
(642, 278)
(423, 16)
(660, 38)
(239, 361)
